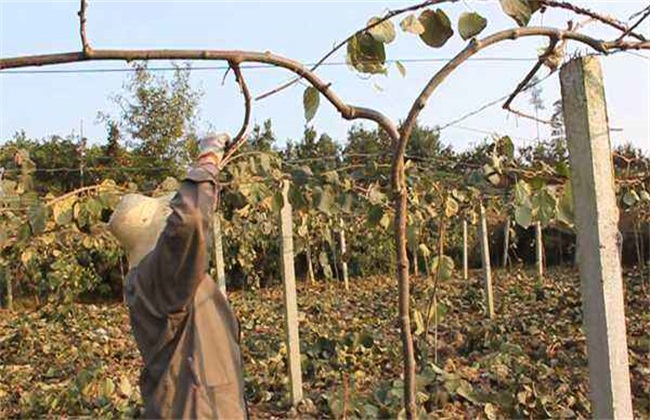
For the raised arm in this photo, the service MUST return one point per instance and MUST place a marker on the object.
(171, 273)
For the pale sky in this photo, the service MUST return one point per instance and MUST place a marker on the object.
(55, 103)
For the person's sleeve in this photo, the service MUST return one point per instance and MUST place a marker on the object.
(171, 273)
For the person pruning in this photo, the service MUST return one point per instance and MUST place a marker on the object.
(183, 325)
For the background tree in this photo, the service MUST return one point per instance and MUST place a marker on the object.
(160, 118)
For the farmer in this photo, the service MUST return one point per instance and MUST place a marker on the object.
(184, 328)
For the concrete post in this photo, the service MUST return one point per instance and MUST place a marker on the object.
(290, 299)
(587, 128)
(487, 271)
(465, 259)
(344, 256)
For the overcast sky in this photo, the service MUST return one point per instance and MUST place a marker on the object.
(55, 103)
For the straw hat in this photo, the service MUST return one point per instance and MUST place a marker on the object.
(137, 223)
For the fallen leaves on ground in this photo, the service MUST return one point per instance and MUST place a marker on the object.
(529, 362)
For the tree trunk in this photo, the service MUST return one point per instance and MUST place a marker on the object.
(487, 271)
(400, 201)
(465, 259)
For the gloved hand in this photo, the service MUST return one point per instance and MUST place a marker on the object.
(212, 146)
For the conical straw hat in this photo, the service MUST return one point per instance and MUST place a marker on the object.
(137, 223)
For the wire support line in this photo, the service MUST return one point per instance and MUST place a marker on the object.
(257, 66)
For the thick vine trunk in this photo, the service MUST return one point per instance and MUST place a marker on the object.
(400, 201)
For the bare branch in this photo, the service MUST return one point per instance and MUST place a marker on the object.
(242, 136)
(348, 112)
(646, 13)
(525, 82)
(82, 29)
(78, 191)
(586, 12)
(391, 14)
(475, 46)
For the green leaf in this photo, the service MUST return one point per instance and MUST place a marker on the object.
(125, 386)
(491, 174)
(537, 183)
(470, 25)
(345, 202)
(323, 260)
(508, 147)
(519, 10)
(331, 177)
(562, 169)
(565, 212)
(443, 267)
(375, 214)
(630, 198)
(401, 68)
(108, 387)
(385, 220)
(366, 55)
(375, 196)
(424, 250)
(547, 204)
(412, 234)
(459, 195)
(644, 196)
(93, 207)
(301, 175)
(310, 102)
(277, 202)
(490, 411)
(324, 199)
(522, 193)
(524, 216)
(439, 310)
(475, 177)
(437, 28)
(466, 391)
(37, 218)
(62, 211)
(419, 322)
(412, 24)
(451, 207)
(383, 32)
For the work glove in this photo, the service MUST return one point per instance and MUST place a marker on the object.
(212, 146)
